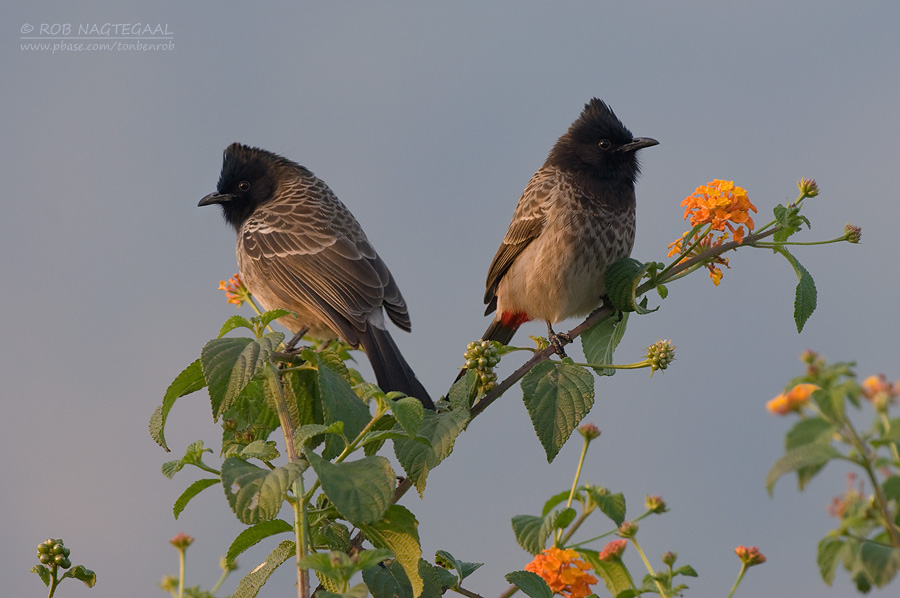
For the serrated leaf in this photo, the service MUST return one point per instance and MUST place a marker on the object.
(462, 568)
(264, 450)
(805, 296)
(439, 430)
(249, 363)
(256, 494)
(339, 403)
(531, 532)
(828, 556)
(600, 341)
(389, 581)
(193, 490)
(217, 360)
(891, 488)
(255, 534)
(188, 381)
(557, 396)
(398, 532)
(360, 490)
(808, 455)
(614, 573)
(250, 585)
(270, 316)
(409, 413)
(687, 571)
(332, 535)
(44, 573)
(880, 562)
(554, 501)
(622, 279)
(234, 322)
(304, 434)
(530, 583)
(170, 468)
(806, 431)
(86, 576)
(611, 505)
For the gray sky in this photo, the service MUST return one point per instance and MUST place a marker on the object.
(428, 120)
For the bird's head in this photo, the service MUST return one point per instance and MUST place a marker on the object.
(248, 179)
(598, 143)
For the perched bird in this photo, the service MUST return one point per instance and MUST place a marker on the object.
(574, 219)
(299, 248)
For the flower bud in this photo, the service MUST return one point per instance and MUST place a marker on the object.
(660, 354)
(181, 541)
(628, 529)
(612, 550)
(669, 558)
(750, 556)
(655, 504)
(853, 233)
(589, 431)
(808, 187)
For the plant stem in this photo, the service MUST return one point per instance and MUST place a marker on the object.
(584, 449)
(300, 522)
(662, 591)
(509, 591)
(461, 590)
(574, 528)
(887, 430)
(54, 582)
(181, 552)
(738, 580)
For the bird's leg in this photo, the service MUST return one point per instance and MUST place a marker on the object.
(289, 347)
(558, 340)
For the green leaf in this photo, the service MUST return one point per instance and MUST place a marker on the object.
(622, 280)
(360, 490)
(439, 430)
(339, 403)
(611, 505)
(614, 573)
(880, 562)
(462, 568)
(88, 577)
(600, 341)
(218, 359)
(410, 413)
(554, 501)
(255, 534)
(891, 488)
(256, 494)
(805, 297)
(270, 316)
(807, 431)
(398, 532)
(250, 585)
(192, 491)
(808, 455)
(249, 363)
(389, 581)
(188, 381)
(532, 532)
(557, 396)
(235, 322)
(828, 556)
(530, 583)
(304, 434)
(44, 573)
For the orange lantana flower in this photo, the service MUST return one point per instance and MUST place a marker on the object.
(793, 400)
(750, 556)
(706, 243)
(722, 205)
(564, 572)
(235, 290)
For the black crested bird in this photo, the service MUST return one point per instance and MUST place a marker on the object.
(574, 219)
(299, 248)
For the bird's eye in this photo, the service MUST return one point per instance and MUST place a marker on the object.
(604, 144)
(244, 185)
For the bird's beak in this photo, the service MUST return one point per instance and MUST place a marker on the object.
(214, 198)
(637, 143)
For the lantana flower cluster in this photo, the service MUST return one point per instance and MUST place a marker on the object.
(564, 572)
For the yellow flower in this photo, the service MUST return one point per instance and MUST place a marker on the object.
(793, 400)
(563, 571)
(235, 290)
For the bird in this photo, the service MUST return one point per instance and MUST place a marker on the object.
(575, 218)
(299, 248)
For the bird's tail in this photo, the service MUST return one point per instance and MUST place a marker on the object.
(498, 332)
(391, 369)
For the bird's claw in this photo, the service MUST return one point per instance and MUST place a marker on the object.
(558, 340)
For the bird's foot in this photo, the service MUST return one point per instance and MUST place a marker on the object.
(291, 346)
(558, 340)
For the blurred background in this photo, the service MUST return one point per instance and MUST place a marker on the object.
(428, 120)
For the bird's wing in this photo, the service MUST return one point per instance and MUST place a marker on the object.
(527, 223)
(311, 251)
